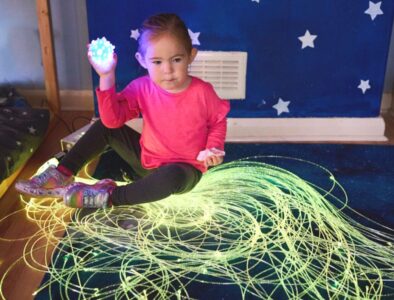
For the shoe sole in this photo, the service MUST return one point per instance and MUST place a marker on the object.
(40, 192)
(55, 192)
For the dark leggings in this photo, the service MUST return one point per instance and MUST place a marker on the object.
(156, 184)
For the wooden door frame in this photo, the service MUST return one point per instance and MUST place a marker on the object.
(48, 55)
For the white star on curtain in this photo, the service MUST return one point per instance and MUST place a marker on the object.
(135, 34)
(307, 40)
(374, 10)
(282, 106)
(194, 37)
(364, 85)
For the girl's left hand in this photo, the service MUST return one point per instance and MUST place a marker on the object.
(213, 160)
(211, 157)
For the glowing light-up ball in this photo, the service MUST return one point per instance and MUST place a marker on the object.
(101, 50)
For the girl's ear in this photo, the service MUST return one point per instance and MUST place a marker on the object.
(193, 55)
(141, 60)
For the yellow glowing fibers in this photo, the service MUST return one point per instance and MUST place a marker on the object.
(247, 224)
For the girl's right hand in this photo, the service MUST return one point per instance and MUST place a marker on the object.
(106, 68)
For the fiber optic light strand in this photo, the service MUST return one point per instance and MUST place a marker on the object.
(247, 223)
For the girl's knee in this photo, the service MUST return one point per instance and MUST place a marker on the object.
(183, 177)
(175, 172)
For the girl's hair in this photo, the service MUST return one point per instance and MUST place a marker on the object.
(159, 24)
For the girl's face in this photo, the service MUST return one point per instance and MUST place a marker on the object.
(167, 60)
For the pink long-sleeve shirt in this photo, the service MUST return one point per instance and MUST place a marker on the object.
(176, 127)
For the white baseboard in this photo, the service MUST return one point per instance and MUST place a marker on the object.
(259, 129)
(300, 129)
(306, 129)
(79, 100)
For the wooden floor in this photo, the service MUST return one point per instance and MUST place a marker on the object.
(22, 281)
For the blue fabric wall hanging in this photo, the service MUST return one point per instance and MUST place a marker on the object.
(306, 58)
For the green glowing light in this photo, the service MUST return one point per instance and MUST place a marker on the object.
(248, 223)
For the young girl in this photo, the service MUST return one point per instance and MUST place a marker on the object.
(183, 131)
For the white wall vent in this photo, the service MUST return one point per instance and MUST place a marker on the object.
(226, 71)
